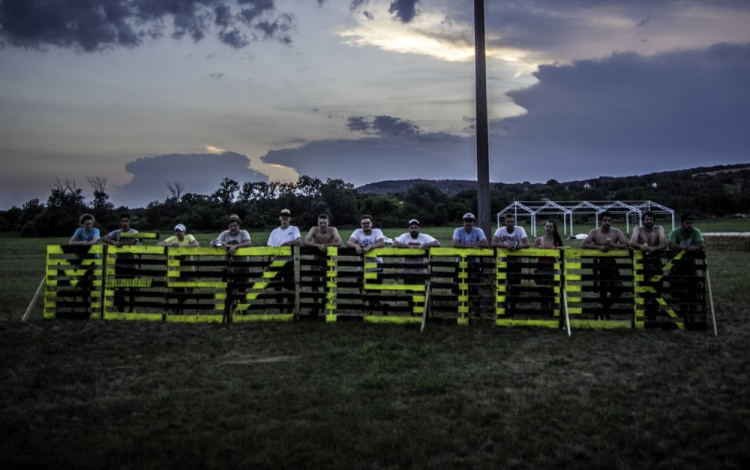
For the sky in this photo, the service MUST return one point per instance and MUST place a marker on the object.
(150, 92)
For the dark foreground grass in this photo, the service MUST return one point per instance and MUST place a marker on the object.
(98, 395)
(347, 395)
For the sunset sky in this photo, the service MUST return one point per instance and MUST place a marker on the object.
(145, 92)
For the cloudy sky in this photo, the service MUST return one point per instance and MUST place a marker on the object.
(145, 92)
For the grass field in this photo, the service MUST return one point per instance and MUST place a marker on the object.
(349, 395)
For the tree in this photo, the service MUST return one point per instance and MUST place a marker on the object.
(385, 209)
(101, 207)
(65, 205)
(224, 196)
(426, 203)
(176, 189)
(308, 186)
(342, 201)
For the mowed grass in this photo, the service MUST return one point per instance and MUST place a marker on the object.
(350, 395)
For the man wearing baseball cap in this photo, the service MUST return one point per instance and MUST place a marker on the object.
(285, 234)
(469, 236)
(233, 238)
(684, 281)
(687, 237)
(414, 239)
(181, 238)
(415, 272)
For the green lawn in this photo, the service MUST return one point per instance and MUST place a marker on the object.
(350, 395)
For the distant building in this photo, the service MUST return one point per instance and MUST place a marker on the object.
(587, 185)
(654, 185)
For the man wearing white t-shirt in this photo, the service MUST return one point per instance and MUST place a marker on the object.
(511, 238)
(365, 239)
(415, 240)
(285, 235)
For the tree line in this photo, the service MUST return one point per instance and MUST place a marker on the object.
(706, 194)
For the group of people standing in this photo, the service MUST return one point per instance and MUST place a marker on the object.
(647, 238)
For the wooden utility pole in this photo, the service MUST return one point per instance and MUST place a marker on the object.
(483, 144)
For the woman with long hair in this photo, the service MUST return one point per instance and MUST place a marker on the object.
(551, 238)
(546, 271)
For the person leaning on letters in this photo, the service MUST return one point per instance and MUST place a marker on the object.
(512, 238)
(182, 239)
(413, 266)
(469, 236)
(124, 261)
(648, 239)
(321, 237)
(285, 235)
(366, 238)
(604, 239)
(685, 283)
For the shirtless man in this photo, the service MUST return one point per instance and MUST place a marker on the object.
(321, 236)
(604, 239)
(648, 239)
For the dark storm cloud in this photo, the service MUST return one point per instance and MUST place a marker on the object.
(94, 25)
(391, 126)
(552, 26)
(623, 115)
(280, 28)
(438, 156)
(383, 125)
(405, 10)
(358, 124)
(234, 37)
(199, 173)
(255, 9)
(222, 15)
(631, 114)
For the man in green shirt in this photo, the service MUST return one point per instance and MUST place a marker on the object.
(686, 284)
(687, 237)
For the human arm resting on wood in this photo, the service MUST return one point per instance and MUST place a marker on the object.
(352, 243)
(380, 243)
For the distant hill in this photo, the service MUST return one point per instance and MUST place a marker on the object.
(452, 187)
(449, 187)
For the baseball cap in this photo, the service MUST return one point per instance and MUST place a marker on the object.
(286, 212)
(180, 227)
(468, 215)
(687, 217)
(413, 222)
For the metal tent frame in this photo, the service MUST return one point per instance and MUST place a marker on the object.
(632, 210)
